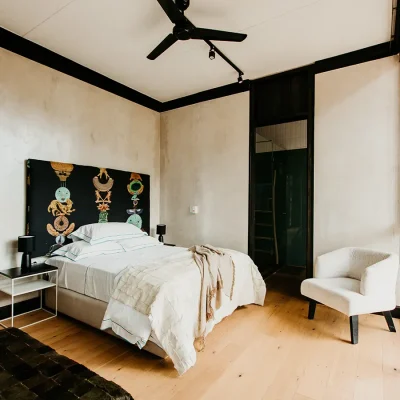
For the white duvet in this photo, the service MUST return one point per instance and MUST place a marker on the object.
(168, 291)
(97, 276)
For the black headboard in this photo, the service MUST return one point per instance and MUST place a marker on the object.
(62, 197)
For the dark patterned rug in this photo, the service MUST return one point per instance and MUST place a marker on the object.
(31, 370)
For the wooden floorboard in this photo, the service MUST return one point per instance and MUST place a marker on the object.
(271, 353)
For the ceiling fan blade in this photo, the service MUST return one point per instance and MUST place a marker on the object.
(171, 9)
(211, 34)
(163, 46)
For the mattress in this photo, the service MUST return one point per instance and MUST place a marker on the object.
(96, 276)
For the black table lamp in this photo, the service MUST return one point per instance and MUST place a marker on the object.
(161, 230)
(26, 245)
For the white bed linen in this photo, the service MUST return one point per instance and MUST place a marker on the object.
(169, 291)
(97, 276)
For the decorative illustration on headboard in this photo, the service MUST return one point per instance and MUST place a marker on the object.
(103, 200)
(61, 206)
(135, 188)
(98, 194)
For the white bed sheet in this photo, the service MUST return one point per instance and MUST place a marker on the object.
(171, 288)
(97, 276)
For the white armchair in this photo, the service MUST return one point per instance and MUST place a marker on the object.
(354, 281)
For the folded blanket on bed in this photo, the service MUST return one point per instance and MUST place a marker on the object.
(168, 292)
(217, 271)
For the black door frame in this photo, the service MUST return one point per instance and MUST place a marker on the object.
(310, 173)
(310, 163)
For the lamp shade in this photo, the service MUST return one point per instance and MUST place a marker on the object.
(26, 244)
(161, 229)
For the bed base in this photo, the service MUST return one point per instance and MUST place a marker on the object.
(89, 311)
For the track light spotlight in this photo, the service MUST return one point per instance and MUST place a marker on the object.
(240, 79)
(211, 54)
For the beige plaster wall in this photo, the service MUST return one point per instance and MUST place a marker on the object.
(357, 150)
(205, 162)
(47, 115)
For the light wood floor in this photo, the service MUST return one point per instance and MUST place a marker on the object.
(271, 352)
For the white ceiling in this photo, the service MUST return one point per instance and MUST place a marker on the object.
(113, 37)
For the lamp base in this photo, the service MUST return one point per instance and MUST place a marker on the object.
(26, 261)
(161, 238)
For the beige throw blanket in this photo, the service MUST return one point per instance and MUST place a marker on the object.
(217, 271)
(167, 290)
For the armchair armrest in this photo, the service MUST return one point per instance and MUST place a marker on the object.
(380, 279)
(333, 265)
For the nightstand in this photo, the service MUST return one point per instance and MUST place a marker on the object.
(16, 282)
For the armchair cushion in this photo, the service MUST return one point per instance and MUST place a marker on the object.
(360, 259)
(349, 262)
(380, 279)
(334, 264)
(343, 294)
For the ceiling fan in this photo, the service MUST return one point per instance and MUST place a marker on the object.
(185, 30)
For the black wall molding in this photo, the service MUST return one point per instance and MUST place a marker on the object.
(19, 45)
(210, 94)
(396, 31)
(376, 52)
(371, 53)
(37, 53)
(282, 74)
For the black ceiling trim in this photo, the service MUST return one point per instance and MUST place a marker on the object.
(35, 52)
(371, 53)
(210, 94)
(19, 45)
(396, 32)
(293, 71)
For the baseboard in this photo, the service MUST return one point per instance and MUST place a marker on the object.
(19, 308)
(396, 313)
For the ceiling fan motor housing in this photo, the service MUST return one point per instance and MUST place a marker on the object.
(182, 31)
(183, 4)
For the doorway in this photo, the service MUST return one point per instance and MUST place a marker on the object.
(281, 198)
(281, 174)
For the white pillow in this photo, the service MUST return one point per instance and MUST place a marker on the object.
(139, 243)
(108, 231)
(78, 250)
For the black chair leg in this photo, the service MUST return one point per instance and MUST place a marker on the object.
(311, 309)
(389, 320)
(354, 329)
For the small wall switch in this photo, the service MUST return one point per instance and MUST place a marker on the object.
(194, 209)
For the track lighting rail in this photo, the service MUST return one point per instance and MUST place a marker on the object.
(226, 59)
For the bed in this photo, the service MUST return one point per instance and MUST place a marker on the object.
(86, 286)
(63, 199)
